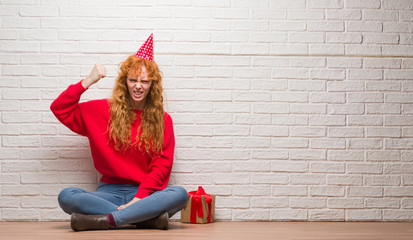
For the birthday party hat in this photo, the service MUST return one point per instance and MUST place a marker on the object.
(146, 50)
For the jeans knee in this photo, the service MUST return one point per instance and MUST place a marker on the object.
(182, 194)
(65, 198)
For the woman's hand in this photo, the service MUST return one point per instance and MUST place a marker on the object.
(98, 72)
(134, 200)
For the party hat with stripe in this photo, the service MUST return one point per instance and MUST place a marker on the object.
(146, 50)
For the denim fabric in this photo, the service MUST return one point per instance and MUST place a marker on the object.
(108, 197)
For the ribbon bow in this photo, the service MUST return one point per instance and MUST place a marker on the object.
(196, 204)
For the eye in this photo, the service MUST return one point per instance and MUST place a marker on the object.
(132, 80)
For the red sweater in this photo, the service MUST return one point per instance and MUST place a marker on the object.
(91, 119)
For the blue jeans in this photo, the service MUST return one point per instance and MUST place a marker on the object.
(108, 197)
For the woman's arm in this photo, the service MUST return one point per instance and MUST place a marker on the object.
(66, 106)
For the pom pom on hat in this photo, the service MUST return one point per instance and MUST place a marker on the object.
(146, 50)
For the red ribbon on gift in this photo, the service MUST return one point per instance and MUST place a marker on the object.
(196, 204)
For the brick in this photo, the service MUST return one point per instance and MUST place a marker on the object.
(251, 190)
(304, 37)
(269, 178)
(383, 132)
(345, 86)
(399, 98)
(345, 132)
(252, 166)
(398, 120)
(233, 178)
(307, 179)
(22, 166)
(325, 25)
(269, 131)
(39, 202)
(289, 166)
(269, 154)
(288, 49)
(29, 11)
(298, 14)
(234, 130)
(364, 120)
(381, 203)
(307, 154)
(343, 38)
(328, 143)
(366, 50)
(382, 180)
(383, 155)
(406, 203)
(345, 203)
(243, 215)
(289, 143)
(346, 109)
(365, 192)
(367, 74)
(365, 143)
(213, 118)
(363, 215)
(290, 120)
(397, 50)
(366, 168)
(396, 168)
(215, 96)
(252, 142)
(229, 84)
(233, 202)
(344, 180)
(308, 108)
(317, 167)
(19, 141)
(345, 155)
(307, 203)
(368, 4)
(383, 86)
(270, 108)
(39, 177)
(398, 191)
(397, 215)
(401, 144)
(289, 214)
(22, 190)
(251, 96)
(330, 215)
(327, 120)
(289, 97)
(289, 190)
(307, 131)
(325, 4)
(269, 202)
(326, 49)
(227, 36)
(64, 165)
(10, 178)
(328, 191)
(232, 13)
(270, 85)
(343, 14)
(20, 214)
(265, 13)
(398, 4)
(328, 97)
(9, 105)
(240, 48)
(365, 97)
(8, 35)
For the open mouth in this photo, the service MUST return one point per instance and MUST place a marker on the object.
(137, 94)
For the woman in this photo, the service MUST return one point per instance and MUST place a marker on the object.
(132, 144)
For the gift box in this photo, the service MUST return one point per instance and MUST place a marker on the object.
(200, 207)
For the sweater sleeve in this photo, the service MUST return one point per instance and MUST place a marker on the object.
(66, 108)
(161, 165)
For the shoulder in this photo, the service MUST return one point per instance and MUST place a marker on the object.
(167, 118)
(94, 105)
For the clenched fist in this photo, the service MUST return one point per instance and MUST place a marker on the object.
(98, 72)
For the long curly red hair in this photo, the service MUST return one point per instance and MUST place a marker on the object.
(150, 132)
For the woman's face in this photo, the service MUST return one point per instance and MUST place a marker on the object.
(139, 87)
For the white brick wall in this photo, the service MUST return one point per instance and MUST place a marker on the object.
(286, 110)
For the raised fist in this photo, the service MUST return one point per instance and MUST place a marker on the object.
(98, 72)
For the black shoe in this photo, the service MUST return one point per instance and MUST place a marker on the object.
(161, 222)
(81, 222)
